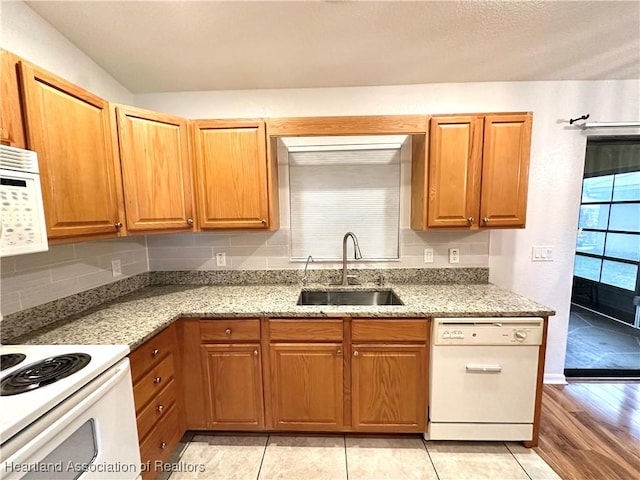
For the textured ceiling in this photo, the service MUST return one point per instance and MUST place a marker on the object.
(182, 45)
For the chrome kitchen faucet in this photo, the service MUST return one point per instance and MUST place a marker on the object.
(356, 254)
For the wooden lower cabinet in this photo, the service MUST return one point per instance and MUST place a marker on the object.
(389, 388)
(312, 375)
(233, 390)
(157, 393)
(159, 444)
(306, 386)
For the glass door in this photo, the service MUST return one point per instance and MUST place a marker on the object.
(604, 324)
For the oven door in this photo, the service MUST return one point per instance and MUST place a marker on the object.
(91, 435)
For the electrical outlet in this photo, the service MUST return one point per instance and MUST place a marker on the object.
(221, 259)
(454, 255)
(428, 255)
(542, 253)
(116, 268)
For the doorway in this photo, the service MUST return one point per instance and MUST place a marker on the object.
(604, 322)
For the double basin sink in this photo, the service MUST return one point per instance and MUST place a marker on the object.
(350, 297)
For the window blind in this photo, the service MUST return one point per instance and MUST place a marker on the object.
(354, 188)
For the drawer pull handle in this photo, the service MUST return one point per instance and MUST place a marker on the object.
(484, 368)
(228, 331)
(157, 380)
(339, 351)
(163, 445)
(160, 408)
(255, 353)
(155, 352)
(356, 353)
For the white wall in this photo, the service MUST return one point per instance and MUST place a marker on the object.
(557, 159)
(27, 34)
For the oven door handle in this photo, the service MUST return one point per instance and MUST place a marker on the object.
(82, 400)
(473, 368)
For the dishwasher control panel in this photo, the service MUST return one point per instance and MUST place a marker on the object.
(488, 331)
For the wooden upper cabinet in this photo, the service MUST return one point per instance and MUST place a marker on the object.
(475, 172)
(70, 130)
(156, 173)
(233, 178)
(11, 122)
(454, 171)
(505, 170)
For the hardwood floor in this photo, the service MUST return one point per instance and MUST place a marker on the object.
(591, 431)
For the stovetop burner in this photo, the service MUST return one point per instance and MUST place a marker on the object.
(42, 373)
(8, 360)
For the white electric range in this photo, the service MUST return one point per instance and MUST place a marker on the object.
(67, 413)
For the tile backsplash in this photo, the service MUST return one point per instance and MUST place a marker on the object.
(34, 279)
(27, 281)
(270, 250)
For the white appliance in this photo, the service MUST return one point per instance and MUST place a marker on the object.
(483, 378)
(68, 424)
(22, 223)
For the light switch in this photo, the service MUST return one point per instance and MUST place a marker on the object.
(542, 253)
(428, 255)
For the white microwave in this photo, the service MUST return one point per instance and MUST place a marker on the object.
(22, 224)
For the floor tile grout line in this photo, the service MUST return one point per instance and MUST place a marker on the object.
(424, 444)
(517, 461)
(266, 444)
(346, 460)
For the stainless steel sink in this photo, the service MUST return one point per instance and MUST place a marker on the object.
(352, 297)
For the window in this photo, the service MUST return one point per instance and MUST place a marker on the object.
(608, 246)
(335, 189)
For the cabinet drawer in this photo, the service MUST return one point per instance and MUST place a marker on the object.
(153, 382)
(389, 330)
(156, 410)
(230, 330)
(149, 354)
(160, 443)
(300, 330)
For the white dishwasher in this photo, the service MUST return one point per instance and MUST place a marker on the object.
(483, 376)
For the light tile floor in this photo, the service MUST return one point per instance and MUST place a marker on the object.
(338, 457)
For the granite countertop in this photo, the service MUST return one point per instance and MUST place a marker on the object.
(133, 318)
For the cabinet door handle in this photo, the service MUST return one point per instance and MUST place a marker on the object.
(356, 354)
(255, 353)
(470, 219)
(118, 224)
(190, 221)
(485, 219)
(263, 221)
(163, 445)
(339, 351)
(157, 380)
(160, 408)
(155, 352)
(228, 331)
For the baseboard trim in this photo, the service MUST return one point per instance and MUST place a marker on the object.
(555, 379)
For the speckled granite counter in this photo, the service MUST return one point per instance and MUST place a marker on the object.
(133, 318)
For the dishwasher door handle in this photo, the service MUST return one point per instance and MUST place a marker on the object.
(483, 368)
